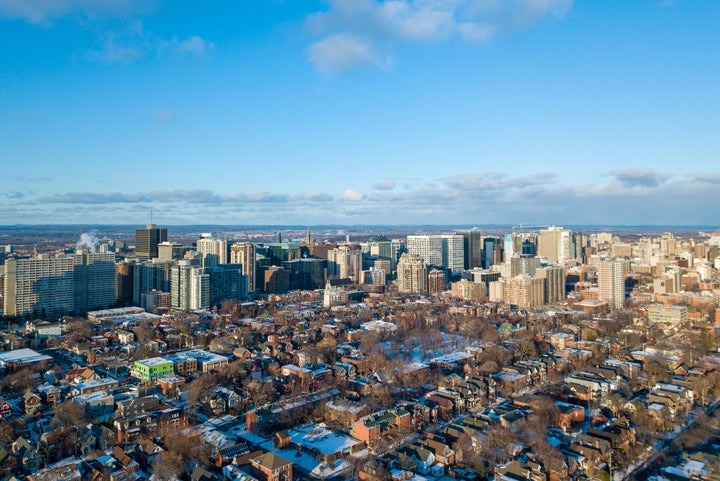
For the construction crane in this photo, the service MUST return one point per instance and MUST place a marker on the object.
(529, 226)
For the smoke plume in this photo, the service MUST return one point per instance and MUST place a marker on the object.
(89, 241)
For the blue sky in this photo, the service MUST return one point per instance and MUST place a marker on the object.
(360, 111)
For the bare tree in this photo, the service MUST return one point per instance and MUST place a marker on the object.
(68, 413)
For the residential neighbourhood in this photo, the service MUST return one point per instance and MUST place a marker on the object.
(392, 383)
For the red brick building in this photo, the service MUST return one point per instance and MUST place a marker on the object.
(271, 467)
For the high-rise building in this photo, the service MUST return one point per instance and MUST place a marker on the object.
(227, 282)
(345, 262)
(427, 247)
(124, 272)
(213, 250)
(453, 252)
(472, 249)
(445, 250)
(524, 291)
(381, 249)
(412, 275)
(94, 281)
(276, 279)
(554, 282)
(611, 282)
(189, 287)
(492, 252)
(147, 240)
(436, 281)
(244, 253)
(149, 276)
(54, 286)
(309, 273)
(170, 250)
(469, 290)
(523, 264)
(509, 246)
(567, 246)
(397, 248)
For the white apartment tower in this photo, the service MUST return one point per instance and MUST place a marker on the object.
(212, 250)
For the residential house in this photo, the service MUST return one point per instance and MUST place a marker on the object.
(271, 467)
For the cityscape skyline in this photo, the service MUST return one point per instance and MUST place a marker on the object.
(356, 112)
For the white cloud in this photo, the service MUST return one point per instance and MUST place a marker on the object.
(384, 185)
(633, 196)
(383, 24)
(195, 45)
(342, 52)
(45, 11)
(351, 195)
(135, 42)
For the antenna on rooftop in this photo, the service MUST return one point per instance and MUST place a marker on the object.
(151, 213)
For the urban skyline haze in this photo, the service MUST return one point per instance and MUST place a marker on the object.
(360, 112)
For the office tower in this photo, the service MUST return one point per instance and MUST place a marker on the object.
(54, 286)
(529, 246)
(472, 249)
(149, 276)
(279, 252)
(381, 249)
(523, 264)
(147, 240)
(427, 247)
(445, 250)
(547, 245)
(309, 274)
(453, 252)
(276, 279)
(213, 250)
(436, 281)
(554, 282)
(345, 262)
(244, 253)
(124, 283)
(492, 252)
(524, 291)
(170, 251)
(557, 244)
(397, 248)
(227, 282)
(412, 275)
(509, 246)
(611, 282)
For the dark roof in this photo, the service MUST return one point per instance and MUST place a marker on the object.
(271, 461)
